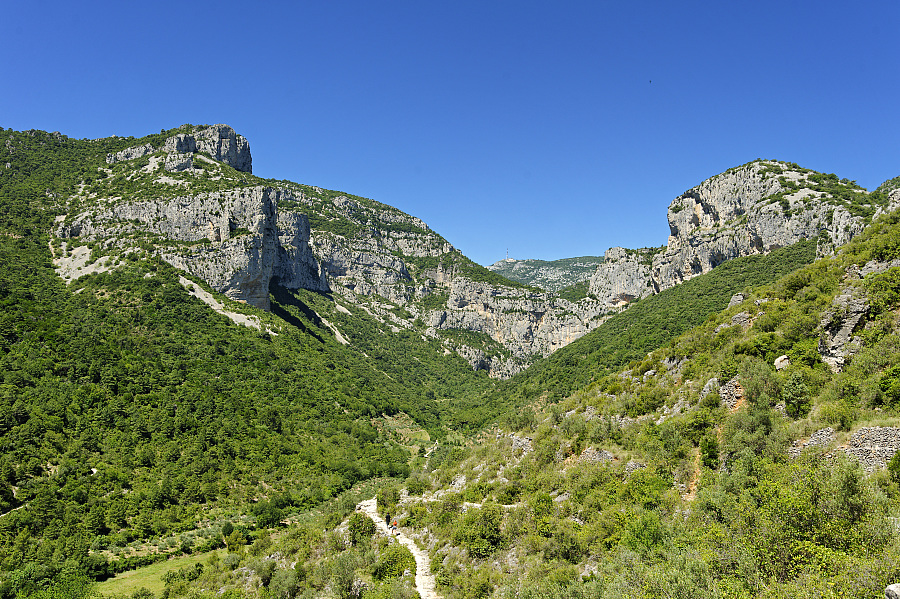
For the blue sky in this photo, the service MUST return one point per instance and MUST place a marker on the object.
(551, 129)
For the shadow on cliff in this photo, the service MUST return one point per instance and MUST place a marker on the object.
(282, 302)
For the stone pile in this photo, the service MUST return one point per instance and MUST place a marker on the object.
(520, 443)
(820, 438)
(594, 456)
(874, 446)
(731, 393)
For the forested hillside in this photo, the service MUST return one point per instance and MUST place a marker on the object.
(129, 410)
(699, 443)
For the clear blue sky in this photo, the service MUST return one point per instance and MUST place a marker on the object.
(552, 129)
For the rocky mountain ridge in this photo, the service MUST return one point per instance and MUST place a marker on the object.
(192, 200)
(751, 209)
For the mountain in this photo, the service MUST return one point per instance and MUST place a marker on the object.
(198, 362)
(191, 197)
(240, 234)
(553, 275)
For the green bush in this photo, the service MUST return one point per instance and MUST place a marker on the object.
(387, 498)
(360, 527)
(479, 530)
(393, 561)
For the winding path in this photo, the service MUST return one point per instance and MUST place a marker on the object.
(424, 578)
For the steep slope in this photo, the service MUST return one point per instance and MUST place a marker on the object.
(732, 461)
(553, 275)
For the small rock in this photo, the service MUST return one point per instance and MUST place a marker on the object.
(892, 592)
(736, 299)
(782, 362)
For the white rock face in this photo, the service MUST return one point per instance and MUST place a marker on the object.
(240, 241)
(623, 277)
(727, 216)
(219, 142)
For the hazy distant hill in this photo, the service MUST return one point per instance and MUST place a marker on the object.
(551, 275)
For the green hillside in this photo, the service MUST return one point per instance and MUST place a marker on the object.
(628, 336)
(138, 425)
(646, 482)
(130, 411)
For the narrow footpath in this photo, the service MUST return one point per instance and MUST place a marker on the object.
(424, 578)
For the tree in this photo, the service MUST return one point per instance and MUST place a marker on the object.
(795, 396)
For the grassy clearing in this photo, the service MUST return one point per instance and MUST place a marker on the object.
(150, 576)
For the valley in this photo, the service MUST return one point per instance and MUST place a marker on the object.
(200, 362)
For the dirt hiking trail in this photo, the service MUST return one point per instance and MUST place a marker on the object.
(424, 579)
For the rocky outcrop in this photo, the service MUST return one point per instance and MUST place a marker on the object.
(130, 153)
(623, 277)
(219, 142)
(524, 322)
(234, 240)
(752, 209)
(837, 342)
(732, 393)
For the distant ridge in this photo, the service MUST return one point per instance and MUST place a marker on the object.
(552, 275)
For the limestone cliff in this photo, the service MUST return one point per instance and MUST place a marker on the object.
(177, 198)
(751, 209)
(234, 240)
(219, 142)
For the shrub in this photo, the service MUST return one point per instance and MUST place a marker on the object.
(360, 527)
(393, 561)
(893, 467)
(387, 498)
(479, 530)
(416, 485)
(795, 396)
